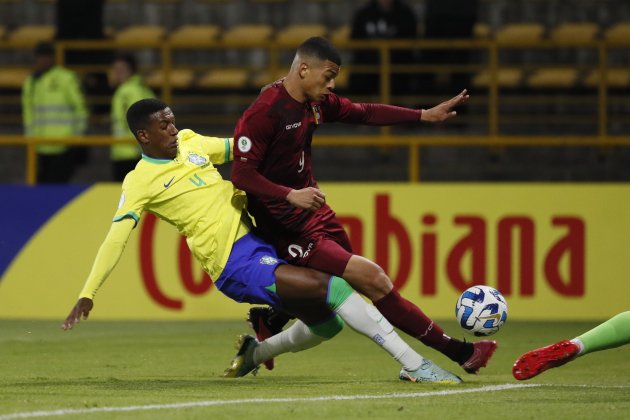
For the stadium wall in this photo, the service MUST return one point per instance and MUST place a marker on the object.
(556, 251)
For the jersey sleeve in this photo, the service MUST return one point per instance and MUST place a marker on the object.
(218, 149)
(133, 199)
(107, 257)
(252, 135)
(336, 108)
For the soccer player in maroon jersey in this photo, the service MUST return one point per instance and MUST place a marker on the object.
(272, 163)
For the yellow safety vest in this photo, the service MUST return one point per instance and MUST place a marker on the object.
(53, 106)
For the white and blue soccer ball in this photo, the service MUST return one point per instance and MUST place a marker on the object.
(481, 310)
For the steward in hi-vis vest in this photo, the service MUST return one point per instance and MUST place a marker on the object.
(53, 106)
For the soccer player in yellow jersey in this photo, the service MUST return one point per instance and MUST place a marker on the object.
(176, 180)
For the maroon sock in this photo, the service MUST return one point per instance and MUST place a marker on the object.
(409, 318)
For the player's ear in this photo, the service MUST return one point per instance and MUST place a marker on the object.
(142, 137)
(303, 70)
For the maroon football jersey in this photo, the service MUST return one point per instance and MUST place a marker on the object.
(272, 153)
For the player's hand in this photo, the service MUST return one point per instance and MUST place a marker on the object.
(308, 198)
(444, 111)
(81, 309)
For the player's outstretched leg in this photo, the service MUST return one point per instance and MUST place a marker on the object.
(297, 337)
(266, 322)
(613, 333)
(537, 361)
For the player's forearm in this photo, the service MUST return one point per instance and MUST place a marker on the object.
(381, 114)
(245, 177)
(107, 256)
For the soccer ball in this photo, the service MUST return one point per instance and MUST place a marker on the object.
(481, 310)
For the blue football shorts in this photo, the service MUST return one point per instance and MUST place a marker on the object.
(249, 274)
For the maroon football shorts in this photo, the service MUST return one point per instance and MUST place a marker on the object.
(326, 249)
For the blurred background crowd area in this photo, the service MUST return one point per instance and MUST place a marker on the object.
(553, 71)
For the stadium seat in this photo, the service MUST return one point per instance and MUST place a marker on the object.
(264, 77)
(341, 34)
(29, 35)
(615, 78)
(139, 34)
(506, 78)
(481, 30)
(3, 31)
(520, 33)
(618, 33)
(550, 78)
(179, 78)
(294, 35)
(224, 79)
(248, 34)
(13, 78)
(574, 32)
(189, 34)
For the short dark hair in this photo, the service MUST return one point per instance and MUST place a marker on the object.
(128, 59)
(321, 48)
(139, 113)
(44, 48)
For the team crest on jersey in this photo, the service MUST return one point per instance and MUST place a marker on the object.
(317, 113)
(267, 260)
(244, 144)
(196, 159)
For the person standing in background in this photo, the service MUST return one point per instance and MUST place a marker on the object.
(53, 106)
(383, 19)
(130, 88)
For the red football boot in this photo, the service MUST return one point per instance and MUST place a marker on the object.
(537, 361)
(482, 352)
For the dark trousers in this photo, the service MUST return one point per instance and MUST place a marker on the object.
(55, 168)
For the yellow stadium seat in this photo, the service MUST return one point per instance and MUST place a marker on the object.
(520, 33)
(189, 34)
(224, 79)
(616, 78)
(481, 30)
(564, 77)
(248, 33)
(341, 81)
(574, 32)
(264, 77)
(179, 78)
(29, 35)
(139, 34)
(506, 78)
(341, 34)
(618, 33)
(294, 35)
(13, 77)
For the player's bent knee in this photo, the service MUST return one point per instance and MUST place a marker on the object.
(327, 329)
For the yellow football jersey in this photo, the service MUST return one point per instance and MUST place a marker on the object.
(189, 193)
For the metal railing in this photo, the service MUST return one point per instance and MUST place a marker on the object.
(492, 48)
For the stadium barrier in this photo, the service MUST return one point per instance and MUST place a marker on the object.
(554, 251)
(493, 72)
(414, 144)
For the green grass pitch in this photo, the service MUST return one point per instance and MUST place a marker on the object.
(172, 370)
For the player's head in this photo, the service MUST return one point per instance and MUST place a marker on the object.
(44, 53)
(315, 66)
(153, 124)
(123, 67)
